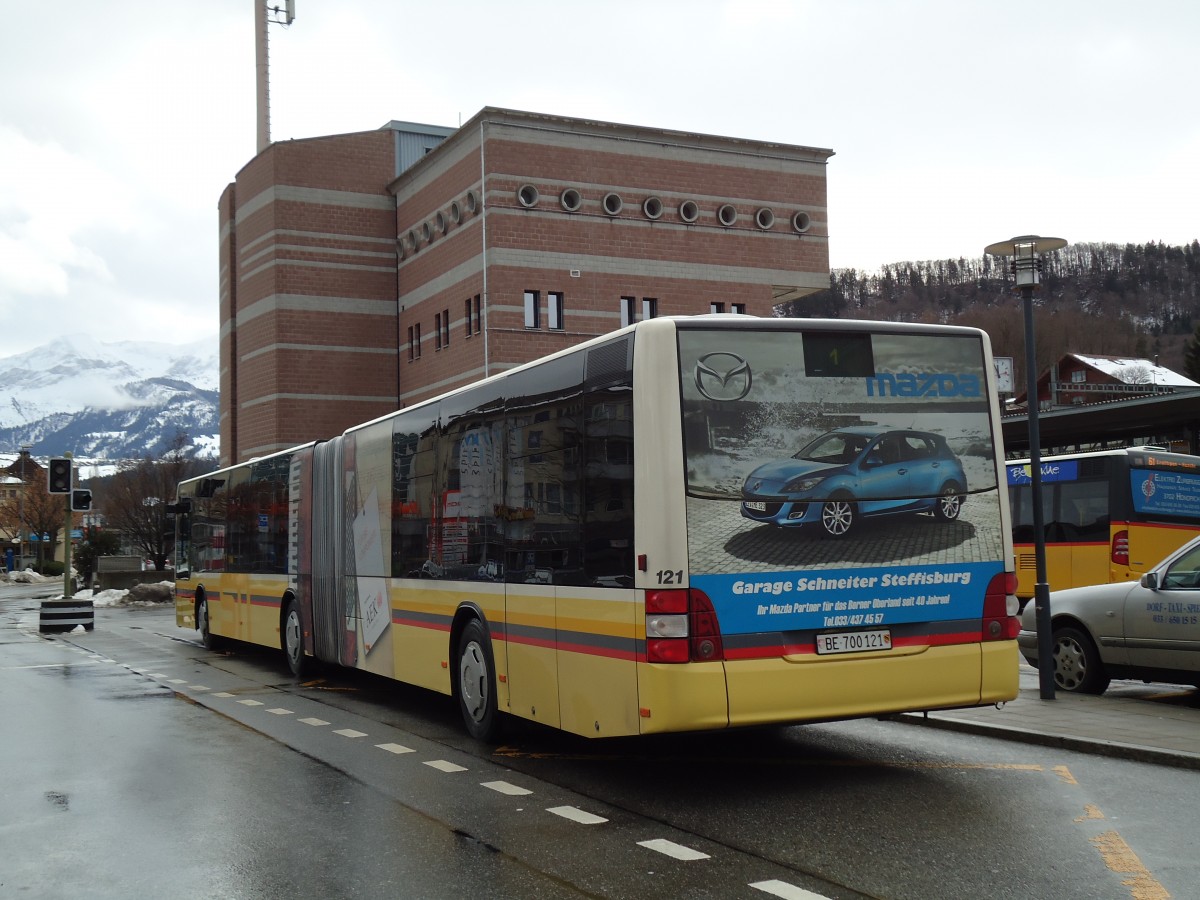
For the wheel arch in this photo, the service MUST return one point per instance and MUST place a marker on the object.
(200, 595)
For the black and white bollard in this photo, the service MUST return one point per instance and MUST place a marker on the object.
(58, 616)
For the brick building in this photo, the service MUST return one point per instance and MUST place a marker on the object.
(367, 271)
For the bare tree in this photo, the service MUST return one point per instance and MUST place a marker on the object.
(134, 500)
(38, 512)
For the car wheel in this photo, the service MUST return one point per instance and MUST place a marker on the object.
(949, 502)
(476, 684)
(292, 638)
(837, 516)
(210, 640)
(1077, 665)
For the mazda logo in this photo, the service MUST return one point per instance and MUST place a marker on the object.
(723, 376)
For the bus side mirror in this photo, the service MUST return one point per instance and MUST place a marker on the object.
(1150, 581)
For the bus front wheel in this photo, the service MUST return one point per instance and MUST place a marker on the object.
(476, 685)
(293, 641)
(204, 626)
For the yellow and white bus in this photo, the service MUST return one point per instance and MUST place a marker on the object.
(646, 533)
(1107, 515)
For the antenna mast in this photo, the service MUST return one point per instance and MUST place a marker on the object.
(262, 15)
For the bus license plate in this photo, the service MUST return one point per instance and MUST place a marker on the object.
(854, 641)
(756, 505)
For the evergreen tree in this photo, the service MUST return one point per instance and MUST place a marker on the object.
(1191, 356)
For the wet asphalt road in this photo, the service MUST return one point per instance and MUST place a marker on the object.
(137, 764)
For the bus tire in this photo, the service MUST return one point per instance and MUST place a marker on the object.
(204, 626)
(291, 636)
(1077, 665)
(475, 683)
(949, 502)
(837, 516)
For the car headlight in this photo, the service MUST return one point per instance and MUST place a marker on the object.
(800, 485)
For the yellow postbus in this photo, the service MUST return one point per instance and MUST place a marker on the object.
(1107, 515)
(688, 524)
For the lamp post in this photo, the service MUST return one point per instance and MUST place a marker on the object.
(1027, 267)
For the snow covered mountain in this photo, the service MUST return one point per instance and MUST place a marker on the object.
(109, 401)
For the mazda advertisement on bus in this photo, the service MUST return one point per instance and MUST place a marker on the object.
(844, 479)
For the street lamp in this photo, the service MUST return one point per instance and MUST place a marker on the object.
(1027, 267)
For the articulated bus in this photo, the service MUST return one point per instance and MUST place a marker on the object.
(1107, 515)
(689, 524)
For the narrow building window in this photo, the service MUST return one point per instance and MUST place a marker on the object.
(649, 307)
(739, 309)
(478, 316)
(716, 307)
(416, 341)
(533, 309)
(445, 331)
(554, 310)
(437, 331)
(627, 307)
(467, 316)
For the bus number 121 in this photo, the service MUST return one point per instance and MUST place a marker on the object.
(668, 576)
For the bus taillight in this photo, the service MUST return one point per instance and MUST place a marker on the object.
(1120, 548)
(682, 626)
(1000, 622)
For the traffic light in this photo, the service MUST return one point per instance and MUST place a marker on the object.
(59, 476)
(81, 500)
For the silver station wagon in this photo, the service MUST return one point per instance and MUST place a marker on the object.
(1147, 630)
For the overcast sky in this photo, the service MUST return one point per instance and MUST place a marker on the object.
(955, 124)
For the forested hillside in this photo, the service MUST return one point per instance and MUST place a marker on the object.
(1138, 300)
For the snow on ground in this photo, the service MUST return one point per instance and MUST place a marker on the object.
(138, 595)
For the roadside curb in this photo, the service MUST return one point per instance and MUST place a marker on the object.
(1094, 746)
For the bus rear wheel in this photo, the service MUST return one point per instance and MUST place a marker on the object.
(476, 683)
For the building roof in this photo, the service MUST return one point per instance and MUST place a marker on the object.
(1131, 370)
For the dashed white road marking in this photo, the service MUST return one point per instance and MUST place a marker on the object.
(444, 766)
(250, 702)
(577, 815)
(156, 675)
(280, 711)
(503, 787)
(787, 891)
(176, 681)
(222, 694)
(395, 748)
(672, 849)
(350, 733)
(197, 687)
(311, 720)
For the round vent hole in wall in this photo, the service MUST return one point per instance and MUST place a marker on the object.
(455, 212)
(472, 202)
(689, 211)
(570, 200)
(653, 207)
(726, 214)
(764, 219)
(527, 196)
(613, 203)
(801, 222)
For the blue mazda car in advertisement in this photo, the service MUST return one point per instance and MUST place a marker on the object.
(854, 473)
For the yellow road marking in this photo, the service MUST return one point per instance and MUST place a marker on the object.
(1120, 858)
(1065, 774)
(1090, 811)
